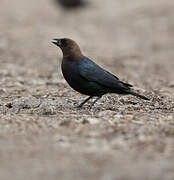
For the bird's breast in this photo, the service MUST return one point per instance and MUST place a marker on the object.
(69, 71)
(77, 82)
(71, 75)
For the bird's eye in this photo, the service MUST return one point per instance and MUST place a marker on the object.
(59, 43)
(63, 42)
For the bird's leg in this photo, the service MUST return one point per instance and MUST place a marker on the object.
(79, 106)
(95, 101)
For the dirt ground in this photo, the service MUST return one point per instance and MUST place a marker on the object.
(42, 133)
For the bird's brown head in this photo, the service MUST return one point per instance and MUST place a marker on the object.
(71, 50)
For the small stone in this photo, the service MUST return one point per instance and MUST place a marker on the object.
(170, 117)
(93, 120)
(118, 116)
(129, 117)
(104, 113)
(2, 91)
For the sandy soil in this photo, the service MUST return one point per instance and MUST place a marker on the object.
(43, 135)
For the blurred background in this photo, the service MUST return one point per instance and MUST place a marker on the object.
(48, 138)
(140, 33)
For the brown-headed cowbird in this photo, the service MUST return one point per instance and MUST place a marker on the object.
(86, 77)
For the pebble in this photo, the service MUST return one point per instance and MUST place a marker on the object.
(93, 120)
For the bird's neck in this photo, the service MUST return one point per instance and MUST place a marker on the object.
(72, 53)
(73, 56)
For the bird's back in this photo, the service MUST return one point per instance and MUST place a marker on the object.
(94, 73)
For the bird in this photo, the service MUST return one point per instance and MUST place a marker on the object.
(88, 78)
(71, 3)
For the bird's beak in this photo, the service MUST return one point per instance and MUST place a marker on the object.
(56, 42)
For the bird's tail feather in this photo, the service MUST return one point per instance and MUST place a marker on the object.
(138, 95)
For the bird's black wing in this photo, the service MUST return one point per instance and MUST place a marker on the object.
(129, 85)
(94, 73)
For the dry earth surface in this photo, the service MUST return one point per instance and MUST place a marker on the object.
(42, 133)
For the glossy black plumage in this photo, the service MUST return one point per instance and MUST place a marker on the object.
(86, 77)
